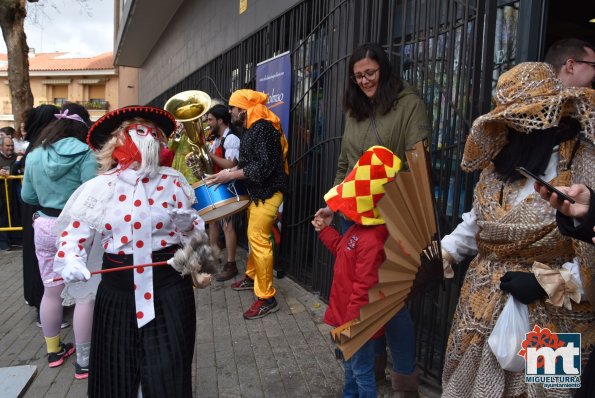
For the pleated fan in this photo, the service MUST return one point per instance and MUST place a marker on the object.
(413, 261)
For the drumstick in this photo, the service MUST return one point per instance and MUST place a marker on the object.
(124, 268)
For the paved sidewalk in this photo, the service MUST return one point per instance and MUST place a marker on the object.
(285, 354)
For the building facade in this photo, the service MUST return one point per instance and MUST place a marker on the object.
(452, 51)
(55, 78)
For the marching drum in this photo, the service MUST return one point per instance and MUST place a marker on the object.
(214, 204)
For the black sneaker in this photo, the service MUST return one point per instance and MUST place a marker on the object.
(80, 373)
(261, 308)
(243, 284)
(57, 358)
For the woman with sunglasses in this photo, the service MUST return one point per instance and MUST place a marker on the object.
(381, 109)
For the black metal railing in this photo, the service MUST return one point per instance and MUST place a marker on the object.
(443, 47)
(97, 104)
(91, 105)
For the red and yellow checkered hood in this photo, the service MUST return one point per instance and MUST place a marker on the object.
(356, 197)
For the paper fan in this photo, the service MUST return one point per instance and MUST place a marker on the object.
(413, 261)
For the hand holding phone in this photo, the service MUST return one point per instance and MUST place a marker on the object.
(551, 189)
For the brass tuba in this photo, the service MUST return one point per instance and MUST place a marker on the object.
(187, 107)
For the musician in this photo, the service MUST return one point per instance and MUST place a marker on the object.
(144, 320)
(359, 254)
(224, 153)
(519, 252)
(178, 148)
(263, 168)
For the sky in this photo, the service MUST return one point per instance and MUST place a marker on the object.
(83, 26)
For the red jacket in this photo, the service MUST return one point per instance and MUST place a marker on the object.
(359, 253)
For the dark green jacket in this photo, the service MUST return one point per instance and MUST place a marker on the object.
(399, 130)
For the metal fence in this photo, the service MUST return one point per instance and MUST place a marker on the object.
(452, 50)
(9, 205)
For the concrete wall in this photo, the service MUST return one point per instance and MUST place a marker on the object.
(199, 32)
(128, 86)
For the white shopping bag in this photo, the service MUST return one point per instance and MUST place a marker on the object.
(508, 335)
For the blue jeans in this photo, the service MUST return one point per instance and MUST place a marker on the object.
(400, 336)
(359, 373)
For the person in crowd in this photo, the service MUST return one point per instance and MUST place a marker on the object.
(7, 131)
(518, 250)
(224, 153)
(145, 319)
(7, 160)
(180, 147)
(573, 61)
(577, 221)
(359, 254)
(263, 168)
(35, 120)
(7, 156)
(381, 109)
(58, 164)
(20, 139)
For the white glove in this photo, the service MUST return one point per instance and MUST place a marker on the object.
(183, 219)
(75, 271)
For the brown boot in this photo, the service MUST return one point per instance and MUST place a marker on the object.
(380, 367)
(229, 271)
(404, 386)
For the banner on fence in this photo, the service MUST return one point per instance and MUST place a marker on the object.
(273, 77)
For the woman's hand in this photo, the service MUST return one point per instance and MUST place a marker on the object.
(579, 192)
(522, 285)
(221, 177)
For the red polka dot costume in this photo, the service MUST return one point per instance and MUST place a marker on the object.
(144, 319)
(135, 225)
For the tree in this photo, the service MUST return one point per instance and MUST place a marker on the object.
(12, 22)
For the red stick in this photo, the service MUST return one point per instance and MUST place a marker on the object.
(126, 267)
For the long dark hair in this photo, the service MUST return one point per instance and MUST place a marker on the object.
(532, 151)
(390, 85)
(63, 128)
(36, 119)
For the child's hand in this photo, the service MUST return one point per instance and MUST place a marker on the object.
(320, 223)
(317, 224)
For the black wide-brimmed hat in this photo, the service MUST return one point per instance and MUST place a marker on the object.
(102, 129)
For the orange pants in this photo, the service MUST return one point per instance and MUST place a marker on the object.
(260, 259)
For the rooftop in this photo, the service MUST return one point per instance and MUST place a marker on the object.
(61, 61)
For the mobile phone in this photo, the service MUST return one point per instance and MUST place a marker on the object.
(561, 195)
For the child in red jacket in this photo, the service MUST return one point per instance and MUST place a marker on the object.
(359, 253)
